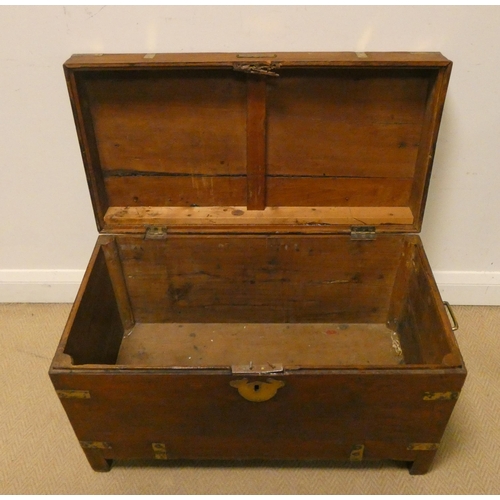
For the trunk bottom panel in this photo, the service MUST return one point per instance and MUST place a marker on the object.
(226, 344)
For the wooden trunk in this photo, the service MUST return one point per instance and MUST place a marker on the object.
(258, 290)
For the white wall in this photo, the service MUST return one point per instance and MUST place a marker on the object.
(47, 229)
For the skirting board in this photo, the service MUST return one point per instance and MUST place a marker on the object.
(34, 285)
(469, 288)
(61, 285)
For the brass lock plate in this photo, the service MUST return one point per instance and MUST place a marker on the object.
(257, 391)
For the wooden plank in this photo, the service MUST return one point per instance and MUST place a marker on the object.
(374, 215)
(256, 143)
(115, 271)
(224, 345)
(422, 319)
(262, 229)
(278, 259)
(425, 159)
(359, 123)
(88, 144)
(203, 416)
(337, 135)
(286, 192)
(259, 279)
(165, 123)
(97, 329)
(338, 192)
(343, 150)
(124, 61)
(235, 304)
(176, 191)
(398, 305)
(82, 291)
(440, 317)
(239, 216)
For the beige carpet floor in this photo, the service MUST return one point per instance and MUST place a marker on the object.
(39, 453)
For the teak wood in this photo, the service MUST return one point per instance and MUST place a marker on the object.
(258, 290)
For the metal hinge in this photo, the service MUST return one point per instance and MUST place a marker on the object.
(363, 233)
(156, 233)
(257, 68)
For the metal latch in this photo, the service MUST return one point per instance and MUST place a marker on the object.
(257, 69)
(363, 233)
(156, 233)
(256, 368)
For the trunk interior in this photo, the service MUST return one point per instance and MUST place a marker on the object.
(289, 301)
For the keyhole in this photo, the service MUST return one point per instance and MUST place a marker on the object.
(256, 387)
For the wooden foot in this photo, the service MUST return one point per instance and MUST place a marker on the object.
(97, 460)
(423, 463)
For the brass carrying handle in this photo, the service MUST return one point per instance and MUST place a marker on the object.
(454, 324)
(257, 391)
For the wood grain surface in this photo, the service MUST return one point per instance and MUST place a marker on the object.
(222, 345)
(332, 130)
(225, 152)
